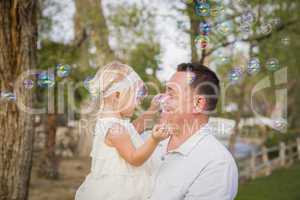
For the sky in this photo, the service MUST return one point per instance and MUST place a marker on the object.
(174, 42)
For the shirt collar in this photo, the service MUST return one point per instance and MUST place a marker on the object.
(192, 141)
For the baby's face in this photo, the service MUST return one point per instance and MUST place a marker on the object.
(132, 99)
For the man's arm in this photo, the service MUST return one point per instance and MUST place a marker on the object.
(219, 181)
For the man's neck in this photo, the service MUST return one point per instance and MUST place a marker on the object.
(188, 126)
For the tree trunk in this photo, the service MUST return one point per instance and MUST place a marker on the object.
(48, 166)
(18, 35)
(91, 30)
(193, 32)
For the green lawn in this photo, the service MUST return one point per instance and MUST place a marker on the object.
(281, 185)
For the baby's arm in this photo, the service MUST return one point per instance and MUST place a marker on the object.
(119, 138)
(148, 116)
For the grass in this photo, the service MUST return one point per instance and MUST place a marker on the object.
(283, 184)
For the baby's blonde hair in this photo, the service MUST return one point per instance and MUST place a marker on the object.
(107, 76)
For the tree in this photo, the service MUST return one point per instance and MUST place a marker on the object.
(18, 38)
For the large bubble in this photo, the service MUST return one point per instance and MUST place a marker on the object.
(202, 9)
(46, 79)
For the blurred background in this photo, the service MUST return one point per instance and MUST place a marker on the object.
(50, 49)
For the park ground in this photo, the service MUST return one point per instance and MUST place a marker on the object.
(283, 184)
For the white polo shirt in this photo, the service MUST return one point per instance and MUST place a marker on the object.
(200, 169)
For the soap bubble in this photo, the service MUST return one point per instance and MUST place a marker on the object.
(222, 58)
(280, 124)
(87, 81)
(46, 79)
(181, 25)
(149, 71)
(190, 77)
(204, 28)
(217, 9)
(285, 41)
(201, 41)
(7, 96)
(225, 27)
(235, 75)
(202, 9)
(266, 28)
(63, 70)
(28, 84)
(161, 99)
(272, 64)
(253, 66)
(248, 17)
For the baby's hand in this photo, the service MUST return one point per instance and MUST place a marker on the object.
(159, 133)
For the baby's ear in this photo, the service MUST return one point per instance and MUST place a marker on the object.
(117, 94)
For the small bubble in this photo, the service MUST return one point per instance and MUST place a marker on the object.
(266, 28)
(272, 64)
(235, 75)
(217, 9)
(222, 58)
(253, 66)
(191, 77)
(7, 96)
(63, 70)
(181, 25)
(224, 28)
(204, 28)
(46, 79)
(280, 124)
(28, 84)
(86, 81)
(149, 71)
(248, 17)
(285, 41)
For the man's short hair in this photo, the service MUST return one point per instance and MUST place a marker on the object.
(205, 81)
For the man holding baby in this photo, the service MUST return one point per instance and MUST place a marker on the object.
(192, 164)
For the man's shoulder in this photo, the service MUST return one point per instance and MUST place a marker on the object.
(214, 149)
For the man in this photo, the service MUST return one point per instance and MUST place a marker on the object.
(192, 164)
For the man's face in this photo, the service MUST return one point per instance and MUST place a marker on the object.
(180, 94)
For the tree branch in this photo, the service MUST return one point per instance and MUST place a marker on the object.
(256, 38)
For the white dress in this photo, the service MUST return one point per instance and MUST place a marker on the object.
(111, 177)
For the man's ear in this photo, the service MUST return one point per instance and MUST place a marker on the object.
(199, 103)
